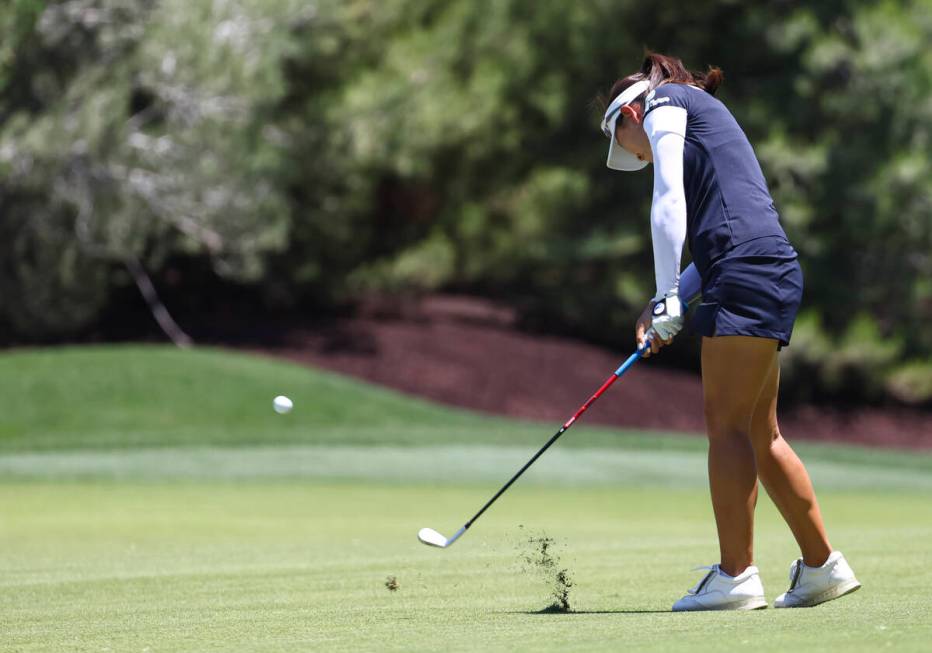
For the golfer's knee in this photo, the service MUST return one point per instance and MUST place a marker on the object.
(726, 428)
(764, 437)
(726, 424)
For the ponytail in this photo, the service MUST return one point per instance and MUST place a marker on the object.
(712, 80)
(660, 69)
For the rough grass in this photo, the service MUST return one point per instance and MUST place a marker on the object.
(151, 500)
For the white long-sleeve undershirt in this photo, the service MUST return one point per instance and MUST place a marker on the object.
(666, 131)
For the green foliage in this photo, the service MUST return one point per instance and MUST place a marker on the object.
(862, 142)
(314, 152)
(912, 383)
(857, 363)
(426, 265)
(150, 144)
(17, 24)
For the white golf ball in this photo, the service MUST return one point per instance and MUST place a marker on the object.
(282, 404)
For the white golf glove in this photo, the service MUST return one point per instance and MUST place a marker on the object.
(667, 316)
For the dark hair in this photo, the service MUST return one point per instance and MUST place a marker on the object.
(660, 69)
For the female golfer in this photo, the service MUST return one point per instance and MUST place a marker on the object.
(709, 190)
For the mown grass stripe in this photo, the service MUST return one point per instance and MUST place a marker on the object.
(431, 464)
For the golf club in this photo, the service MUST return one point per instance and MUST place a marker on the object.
(431, 537)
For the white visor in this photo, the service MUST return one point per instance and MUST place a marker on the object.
(618, 157)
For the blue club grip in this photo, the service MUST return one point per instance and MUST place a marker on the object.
(633, 358)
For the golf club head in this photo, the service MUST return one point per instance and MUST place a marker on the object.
(430, 537)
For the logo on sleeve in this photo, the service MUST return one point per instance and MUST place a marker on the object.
(655, 101)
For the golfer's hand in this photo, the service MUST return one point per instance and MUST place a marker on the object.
(641, 329)
(667, 317)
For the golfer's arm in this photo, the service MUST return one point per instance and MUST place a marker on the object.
(666, 128)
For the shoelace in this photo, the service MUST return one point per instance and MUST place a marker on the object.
(796, 571)
(713, 569)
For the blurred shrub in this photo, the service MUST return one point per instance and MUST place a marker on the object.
(856, 366)
(425, 266)
(133, 130)
(912, 383)
(801, 363)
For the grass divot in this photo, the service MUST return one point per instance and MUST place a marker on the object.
(540, 556)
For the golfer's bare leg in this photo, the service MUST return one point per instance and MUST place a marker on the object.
(734, 369)
(785, 478)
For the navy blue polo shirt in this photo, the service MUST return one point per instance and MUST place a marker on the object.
(727, 200)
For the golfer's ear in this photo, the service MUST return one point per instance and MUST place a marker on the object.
(633, 112)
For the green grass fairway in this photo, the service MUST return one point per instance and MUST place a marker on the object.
(150, 500)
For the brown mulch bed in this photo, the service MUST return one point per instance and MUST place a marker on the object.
(467, 353)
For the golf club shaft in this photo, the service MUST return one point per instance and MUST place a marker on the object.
(632, 359)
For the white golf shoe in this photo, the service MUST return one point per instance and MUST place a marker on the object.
(811, 586)
(719, 591)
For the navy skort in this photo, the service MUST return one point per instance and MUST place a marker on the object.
(754, 289)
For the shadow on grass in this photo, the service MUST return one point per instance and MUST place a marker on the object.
(551, 611)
